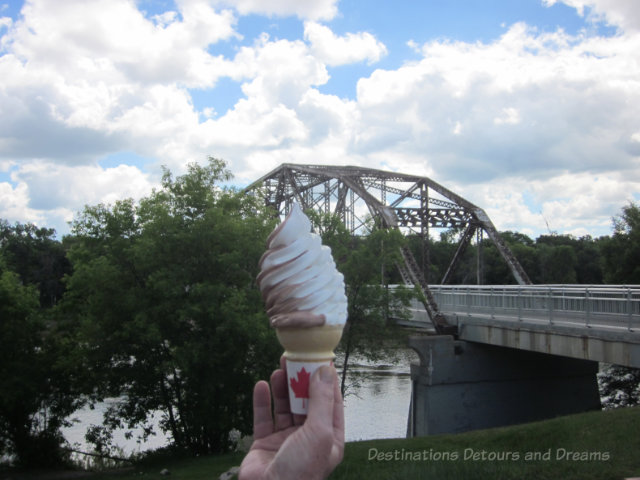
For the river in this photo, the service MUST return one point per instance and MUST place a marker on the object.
(379, 407)
(376, 408)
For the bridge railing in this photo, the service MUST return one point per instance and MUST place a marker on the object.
(616, 306)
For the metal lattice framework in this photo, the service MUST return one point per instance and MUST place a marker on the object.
(407, 202)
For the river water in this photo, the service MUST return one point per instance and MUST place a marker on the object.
(379, 407)
(376, 408)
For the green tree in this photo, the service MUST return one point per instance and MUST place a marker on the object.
(619, 386)
(557, 264)
(165, 297)
(621, 252)
(589, 261)
(440, 253)
(495, 269)
(37, 257)
(35, 397)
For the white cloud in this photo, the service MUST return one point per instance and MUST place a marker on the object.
(110, 41)
(82, 79)
(351, 48)
(50, 194)
(283, 115)
(528, 102)
(304, 9)
(5, 165)
(14, 204)
(5, 22)
(59, 186)
(510, 116)
(577, 204)
(620, 13)
(413, 45)
(282, 71)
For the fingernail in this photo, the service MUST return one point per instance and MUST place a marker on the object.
(326, 374)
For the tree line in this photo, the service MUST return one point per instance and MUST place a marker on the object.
(155, 303)
(549, 259)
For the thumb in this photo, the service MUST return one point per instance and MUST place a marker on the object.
(309, 449)
(321, 397)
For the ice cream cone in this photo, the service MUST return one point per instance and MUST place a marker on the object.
(305, 298)
(306, 350)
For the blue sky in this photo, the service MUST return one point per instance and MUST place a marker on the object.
(526, 108)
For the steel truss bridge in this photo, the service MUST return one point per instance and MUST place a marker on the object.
(410, 203)
(538, 344)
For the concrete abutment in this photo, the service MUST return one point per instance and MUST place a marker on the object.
(460, 386)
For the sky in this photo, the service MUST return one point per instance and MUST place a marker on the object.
(528, 108)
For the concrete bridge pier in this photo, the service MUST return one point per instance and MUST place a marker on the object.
(460, 386)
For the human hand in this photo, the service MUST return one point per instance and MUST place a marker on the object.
(287, 446)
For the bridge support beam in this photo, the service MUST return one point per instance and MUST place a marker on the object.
(460, 386)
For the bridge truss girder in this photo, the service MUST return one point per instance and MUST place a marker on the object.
(407, 202)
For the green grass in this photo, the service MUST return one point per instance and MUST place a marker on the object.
(615, 434)
(207, 467)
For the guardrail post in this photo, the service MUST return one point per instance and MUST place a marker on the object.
(587, 306)
(629, 308)
(550, 305)
(468, 302)
(519, 304)
(493, 305)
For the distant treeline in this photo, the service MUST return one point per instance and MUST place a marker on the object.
(549, 259)
(41, 260)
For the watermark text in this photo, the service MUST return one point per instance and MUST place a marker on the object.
(480, 455)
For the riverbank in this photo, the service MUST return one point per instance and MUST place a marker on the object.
(590, 446)
(382, 386)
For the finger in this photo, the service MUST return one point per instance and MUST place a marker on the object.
(281, 410)
(262, 421)
(338, 422)
(322, 398)
(299, 419)
(338, 410)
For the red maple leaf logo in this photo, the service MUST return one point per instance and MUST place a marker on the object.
(300, 386)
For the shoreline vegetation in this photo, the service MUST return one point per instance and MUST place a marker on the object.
(588, 446)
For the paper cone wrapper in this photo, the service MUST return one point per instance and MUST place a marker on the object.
(298, 377)
(306, 350)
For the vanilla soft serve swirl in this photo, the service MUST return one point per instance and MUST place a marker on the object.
(299, 281)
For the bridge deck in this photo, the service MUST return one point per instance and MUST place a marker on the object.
(600, 323)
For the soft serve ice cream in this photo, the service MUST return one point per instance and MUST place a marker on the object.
(299, 280)
(305, 299)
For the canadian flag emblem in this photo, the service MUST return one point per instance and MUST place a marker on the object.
(299, 378)
(300, 385)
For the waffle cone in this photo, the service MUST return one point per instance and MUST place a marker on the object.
(310, 344)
